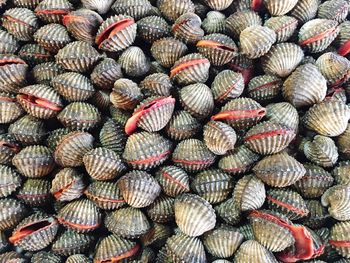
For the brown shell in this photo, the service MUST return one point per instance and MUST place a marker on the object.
(172, 9)
(162, 209)
(182, 126)
(43, 73)
(173, 180)
(134, 8)
(10, 109)
(112, 136)
(134, 62)
(8, 43)
(106, 73)
(126, 94)
(156, 236)
(52, 11)
(157, 84)
(34, 54)
(152, 28)
(227, 85)
(10, 181)
(13, 71)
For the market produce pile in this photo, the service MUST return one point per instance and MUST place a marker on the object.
(174, 131)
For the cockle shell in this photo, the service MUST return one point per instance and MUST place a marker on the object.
(8, 148)
(13, 211)
(340, 173)
(157, 84)
(13, 71)
(10, 109)
(112, 136)
(252, 251)
(35, 192)
(156, 236)
(337, 198)
(264, 87)
(173, 180)
(229, 212)
(134, 62)
(78, 258)
(218, 4)
(342, 40)
(214, 22)
(318, 215)
(106, 73)
(162, 209)
(30, 4)
(100, 7)
(284, 27)
(52, 11)
(305, 10)
(172, 9)
(43, 73)
(339, 238)
(343, 142)
(278, 8)
(8, 43)
(227, 85)
(283, 113)
(126, 94)
(12, 256)
(34, 54)
(152, 28)
(182, 125)
(336, 10)
(241, 20)
(10, 181)
(134, 8)
(46, 257)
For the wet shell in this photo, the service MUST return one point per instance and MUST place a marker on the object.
(305, 10)
(182, 126)
(156, 84)
(339, 238)
(252, 251)
(72, 147)
(83, 24)
(241, 20)
(81, 215)
(173, 180)
(317, 34)
(229, 212)
(139, 188)
(78, 258)
(35, 232)
(283, 113)
(218, 48)
(78, 56)
(335, 68)
(10, 181)
(8, 148)
(8, 43)
(28, 130)
(67, 185)
(35, 192)
(241, 113)
(341, 171)
(45, 257)
(79, 116)
(12, 256)
(335, 9)
(20, 22)
(103, 164)
(342, 40)
(71, 242)
(282, 59)
(116, 33)
(10, 109)
(187, 28)
(43, 73)
(328, 118)
(337, 200)
(279, 8)
(172, 9)
(106, 73)
(315, 182)
(287, 202)
(344, 142)
(134, 62)
(256, 41)
(34, 54)
(112, 136)
(162, 209)
(13, 72)
(52, 11)
(146, 150)
(193, 214)
(168, 50)
(322, 151)
(127, 222)
(219, 137)
(30, 4)
(134, 8)
(126, 94)
(317, 216)
(197, 99)
(227, 85)
(284, 27)
(113, 247)
(214, 22)
(279, 170)
(100, 7)
(223, 241)
(52, 37)
(189, 69)
(152, 28)
(264, 87)
(12, 212)
(156, 236)
(55, 136)
(268, 138)
(34, 161)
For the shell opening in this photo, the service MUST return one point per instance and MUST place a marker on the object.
(344, 49)
(77, 226)
(169, 177)
(59, 193)
(29, 229)
(125, 255)
(339, 243)
(39, 102)
(51, 12)
(15, 20)
(266, 85)
(73, 18)
(296, 210)
(186, 65)
(6, 62)
(214, 44)
(239, 114)
(268, 134)
(318, 37)
(13, 147)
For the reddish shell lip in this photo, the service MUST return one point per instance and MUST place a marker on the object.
(11, 61)
(263, 135)
(78, 226)
(168, 176)
(186, 65)
(151, 159)
(39, 102)
(15, 148)
(215, 44)
(103, 199)
(318, 37)
(59, 193)
(7, 99)
(288, 206)
(257, 5)
(118, 258)
(51, 12)
(339, 243)
(344, 49)
(193, 162)
(266, 85)
(177, 26)
(113, 29)
(38, 55)
(291, 23)
(239, 114)
(73, 18)
(12, 19)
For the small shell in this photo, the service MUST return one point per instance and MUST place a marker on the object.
(10, 181)
(30, 4)
(10, 109)
(78, 56)
(67, 185)
(279, 8)
(52, 11)
(72, 147)
(34, 54)
(317, 216)
(241, 20)
(20, 22)
(35, 192)
(264, 87)
(337, 200)
(152, 28)
(172, 9)
(79, 116)
(157, 84)
(12, 256)
(268, 138)
(189, 69)
(34, 161)
(229, 212)
(145, 150)
(341, 172)
(41, 228)
(256, 41)
(342, 40)
(81, 215)
(339, 238)
(187, 28)
(127, 222)
(284, 27)
(197, 99)
(279, 170)
(241, 113)
(182, 126)
(305, 10)
(83, 24)
(218, 4)
(13, 71)
(282, 59)
(317, 34)
(139, 188)
(8, 148)
(219, 137)
(116, 33)
(134, 62)
(227, 85)
(344, 142)
(162, 209)
(12, 212)
(315, 182)
(112, 136)
(328, 118)
(100, 7)
(214, 22)
(134, 8)
(173, 180)
(335, 9)
(126, 94)
(8, 43)
(106, 73)
(156, 236)
(43, 73)
(103, 164)
(252, 251)
(283, 113)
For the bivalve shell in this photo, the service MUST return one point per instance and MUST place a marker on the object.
(34, 54)
(284, 27)
(8, 43)
(339, 238)
(187, 28)
(112, 136)
(241, 20)
(126, 94)
(264, 87)
(162, 209)
(344, 142)
(12, 212)
(13, 71)
(10, 109)
(12, 256)
(173, 180)
(335, 9)
(227, 85)
(337, 200)
(172, 9)
(318, 215)
(252, 251)
(134, 62)
(156, 84)
(52, 11)
(35, 192)
(43, 73)
(182, 125)
(279, 8)
(305, 10)
(152, 28)
(134, 8)
(78, 258)
(10, 181)
(100, 7)
(341, 172)
(8, 148)
(229, 212)
(214, 22)
(283, 113)
(342, 40)
(156, 236)
(219, 137)
(106, 73)
(45, 257)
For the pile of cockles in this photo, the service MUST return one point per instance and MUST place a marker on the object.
(174, 131)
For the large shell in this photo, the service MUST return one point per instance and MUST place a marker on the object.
(241, 20)
(252, 251)
(12, 212)
(219, 137)
(305, 10)
(227, 85)
(126, 94)
(173, 180)
(43, 73)
(134, 8)
(162, 209)
(337, 200)
(279, 8)
(13, 71)
(10, 109)
(106, 73)
(10, 181)
(52, 37)
(100, 7)
(182, 126)
(214, 22)
(134, 62)
(52, 11)
(339, 238)
(172, 9)
(341, 171)
(8, 43)
(283, 113)
(279, 170)
(328, 118)
(139, 188)
(145, 150)
(152, 28)
(35, 192)
(284, 27)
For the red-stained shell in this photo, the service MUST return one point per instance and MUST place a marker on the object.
(284, 27)
(227, 85)
(13, 71)
(187, 28)
(264, 87)
(173, 180)
(52, 11)
(339, 238)
(35, 192)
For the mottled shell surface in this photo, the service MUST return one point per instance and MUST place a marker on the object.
(278, 8)
(35, 192)
(34, 54)
(264, 87)
(156, 84)
(172, 9)
(43, 73)
(10, 180)
(8, 43)
(10, 109)
(214, 22)
(134, 8)
(339, 236)
(340, 173)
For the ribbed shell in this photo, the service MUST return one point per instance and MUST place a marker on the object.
(343, 142)
(145, 150)
(8, 43)
(279, 170)
(72, 147)
(305, 10)
(106, 73)
(13, 73)
(343, 38)
(12, 212)
(340, 235)
(157, 84)
(112, 136)
(229, 212)
(52, 37)
(252, 251)
(67, 185)
(43, 73)
(279, 8)
(341, 172)
(12, 256)
(284, 27)
(173, 180)
(219, 137)
(335, 9)
(182, 126)
(182, 248)
(34, 54)
(20, 22)
(52, 11)
(194, 215)
(256, 41)
(328, 118)
(187, 28)
(264, 87)
(126, 94)
(100, 7)
(317, 216)
(134, 62)
(43, 231)
(282, 59)
(337, 200)
(135, 8)
(283, 113)
(156, 236)
(45, 257)
(172, 9)
(78, 258)
(127, 222)
(81, 215)
(241, 20)
(222, 241)
(189, 69)
(10, 109)
(78, 56)
(8, 148)
(227, 85)
(35, 192)
(214, 22)
(162, 209)
(10, 181)
(152, 28)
